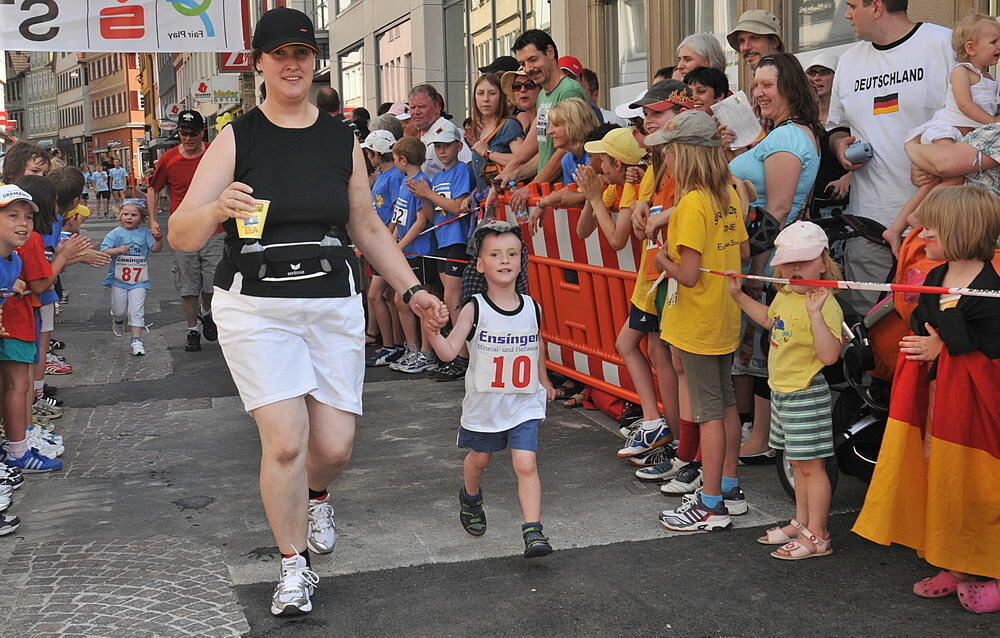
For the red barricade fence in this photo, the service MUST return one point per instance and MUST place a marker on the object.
(583, 287)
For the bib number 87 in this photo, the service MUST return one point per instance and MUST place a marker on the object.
(519, 373)
(131, 275)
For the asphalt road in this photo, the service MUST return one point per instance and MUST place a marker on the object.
(155, 528)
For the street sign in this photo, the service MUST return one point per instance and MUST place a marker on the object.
(171, 111)
(236, 62)
(168, 125)
(201, 91)
(226, 89)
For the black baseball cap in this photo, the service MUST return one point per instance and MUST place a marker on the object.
(665, 94)
(281, 27)
(500, 65)
(191, 120)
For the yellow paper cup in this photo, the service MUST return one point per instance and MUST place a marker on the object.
(253, 226)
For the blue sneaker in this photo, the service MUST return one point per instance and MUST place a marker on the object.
(384, 356)
(33, 462)
(644, 440)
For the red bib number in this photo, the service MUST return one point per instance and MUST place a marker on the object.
(509, 363)
(131, 269)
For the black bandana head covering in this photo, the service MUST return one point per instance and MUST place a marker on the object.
(473, 281)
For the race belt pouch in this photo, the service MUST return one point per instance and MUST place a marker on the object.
(296, 260)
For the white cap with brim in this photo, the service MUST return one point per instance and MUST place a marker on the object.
(400, 110)
(623, 111)
(800, 241)
(380, 141)
(825, 59)
(444, 133)
(9, 193)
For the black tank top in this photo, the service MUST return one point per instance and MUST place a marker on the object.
(304, 173)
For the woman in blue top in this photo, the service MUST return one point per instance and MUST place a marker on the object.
(498, 134)
(782, 168)
(570, 121)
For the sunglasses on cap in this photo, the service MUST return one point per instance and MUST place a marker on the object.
(527, 86)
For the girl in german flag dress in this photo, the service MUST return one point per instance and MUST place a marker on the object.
(935, 483)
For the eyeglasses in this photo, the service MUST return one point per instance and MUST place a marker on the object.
(184, 133)
(525, 86)
(818, 72)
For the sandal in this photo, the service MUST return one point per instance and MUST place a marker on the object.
(981, 597)
(943, 584)
(797, 550)
(573, 401)
(777, 536)
(567, 389)
(370, 339)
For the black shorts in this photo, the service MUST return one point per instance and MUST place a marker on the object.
(642, 321)
(455, 252)
(418, 268)
(103, 194)
(85, 195)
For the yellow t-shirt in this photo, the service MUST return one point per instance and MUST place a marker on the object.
(792, 360)
(647, 186)
(705, 319)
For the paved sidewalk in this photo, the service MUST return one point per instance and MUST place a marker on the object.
(155, 527)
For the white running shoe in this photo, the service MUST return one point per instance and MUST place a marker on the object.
(322, 533)
(138, 349)
(293, 594)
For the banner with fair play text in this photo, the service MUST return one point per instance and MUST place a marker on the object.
(124, 25)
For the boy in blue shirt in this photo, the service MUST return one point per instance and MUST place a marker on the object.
(410, 215)
(449, 193)
(377, 148)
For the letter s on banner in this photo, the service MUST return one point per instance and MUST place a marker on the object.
(51, 13)
(123, 23)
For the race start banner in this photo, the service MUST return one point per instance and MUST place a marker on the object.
(173, 26)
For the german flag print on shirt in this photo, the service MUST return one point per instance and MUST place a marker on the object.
(886, 104)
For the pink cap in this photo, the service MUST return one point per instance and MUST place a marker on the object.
(800, 241)
(400, 110)
(571, 64)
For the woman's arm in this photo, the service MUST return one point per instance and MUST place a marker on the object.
(213, 196)
(946, 160)
(371, 236)
(961, 87)
(781, 178)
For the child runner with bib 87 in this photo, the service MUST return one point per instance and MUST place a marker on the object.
(506, 386)
(129, 246)
(805, 324)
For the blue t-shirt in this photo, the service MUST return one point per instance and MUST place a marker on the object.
(52, 239)
(10, 270)
(453, 183)
(405, 212)
(100, 180)
(139, 241)
(786, 138)
(118, 176)
(384, 193)
(499, 143)
(569, 164)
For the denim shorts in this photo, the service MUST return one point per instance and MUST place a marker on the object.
(520, 437)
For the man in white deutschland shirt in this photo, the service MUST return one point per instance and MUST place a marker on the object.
(885, 86)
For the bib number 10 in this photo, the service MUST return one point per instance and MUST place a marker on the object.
(515, 374)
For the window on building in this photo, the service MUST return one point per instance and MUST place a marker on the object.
(817, 24)
(717, 18)
(351, 65)
(627, 31)
(342, 5)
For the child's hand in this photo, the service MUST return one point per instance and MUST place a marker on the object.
(550, 391)
(661, 260)
(735, 287)
(419, 188)
(815, 298)
(96, 258)
(640, 213)
(892, 236)
(155, 232)
(589, 182)
(917, 348)
(19, 287)
(634, 174)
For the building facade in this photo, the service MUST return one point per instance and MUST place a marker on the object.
(116, 108)
(40, 111)
(15, 69)
(71, 100)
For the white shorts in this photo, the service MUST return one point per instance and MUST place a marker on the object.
(131, 303)
(279, 348)
(48, 316)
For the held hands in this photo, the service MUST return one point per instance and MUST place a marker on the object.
(815, 298)
(235, 202)
(589, 182)
(419, 188)
(155, 232)
(433, 311)
(919, 348)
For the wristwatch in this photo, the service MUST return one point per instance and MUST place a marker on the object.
(412, 291)
(487, 156)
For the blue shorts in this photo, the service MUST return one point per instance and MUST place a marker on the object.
(642, 321)
(17, 350)
(521, 437)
